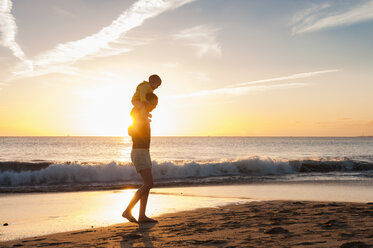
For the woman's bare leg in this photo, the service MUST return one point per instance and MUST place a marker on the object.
(141, 193)
(143, 202)
(147, 176)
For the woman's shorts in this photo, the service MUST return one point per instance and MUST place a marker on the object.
(141, 159)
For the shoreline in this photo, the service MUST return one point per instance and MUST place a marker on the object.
(165, 184)
(256, 224)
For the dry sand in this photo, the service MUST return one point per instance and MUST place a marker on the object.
(256, 224)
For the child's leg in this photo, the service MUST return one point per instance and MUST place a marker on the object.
(137, 103)
(141, 106)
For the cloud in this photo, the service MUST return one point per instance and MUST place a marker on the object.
(332, 14)
(62, 12)
(257, 85)
(8, 30)
(290, 77)
(202, 38)
(236, 90)
(108, 41)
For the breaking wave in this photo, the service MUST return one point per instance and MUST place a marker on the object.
(26, 176)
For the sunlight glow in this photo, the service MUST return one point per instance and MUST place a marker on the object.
(162, 121)
(71, 68)
(105, 109)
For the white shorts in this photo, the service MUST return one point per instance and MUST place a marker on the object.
(141, 159)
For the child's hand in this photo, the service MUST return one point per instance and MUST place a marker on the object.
(150, 115)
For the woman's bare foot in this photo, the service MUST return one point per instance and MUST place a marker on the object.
(129, 217)
(146, 219)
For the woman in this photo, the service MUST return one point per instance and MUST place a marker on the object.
(140, 156)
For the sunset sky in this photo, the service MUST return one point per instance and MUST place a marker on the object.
(237, 67)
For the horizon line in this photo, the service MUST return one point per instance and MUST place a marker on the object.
(186, 136)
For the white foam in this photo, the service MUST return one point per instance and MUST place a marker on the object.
(62, 174)
(73, 174)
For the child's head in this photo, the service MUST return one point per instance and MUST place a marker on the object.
(152, 100)
(155, 81)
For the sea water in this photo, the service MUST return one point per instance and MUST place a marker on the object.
(208, 172)
(76, 163)
(107, 149)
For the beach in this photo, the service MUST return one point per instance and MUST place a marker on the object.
(209, 192)
(254, 224)
(231, 123)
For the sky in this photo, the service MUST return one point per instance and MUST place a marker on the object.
(228, 68)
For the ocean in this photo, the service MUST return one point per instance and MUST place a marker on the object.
(74, 183)
(54, 164)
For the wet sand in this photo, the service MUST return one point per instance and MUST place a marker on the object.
(255, 224)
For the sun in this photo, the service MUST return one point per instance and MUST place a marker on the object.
(103, 110)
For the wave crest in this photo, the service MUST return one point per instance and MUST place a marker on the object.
(74, 173)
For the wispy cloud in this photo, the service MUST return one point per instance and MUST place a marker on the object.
(8, 29)
(237, 90)
(257, 85)
(332, 14)
(110, 40)
(202, 38)
(62, 12)
(290, 77)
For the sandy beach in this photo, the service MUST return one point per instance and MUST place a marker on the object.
(255, 224)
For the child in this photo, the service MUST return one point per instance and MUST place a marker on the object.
(140, 156)
(139, 98)
(138, 117)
